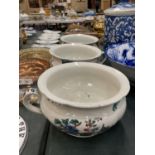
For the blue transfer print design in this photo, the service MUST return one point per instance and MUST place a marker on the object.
(122, 53)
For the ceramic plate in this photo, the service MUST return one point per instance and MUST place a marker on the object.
(37, 45)
(29, 34)
(51, 35)
(23, 132)
(32, 32)
(46, 38)
(122, 53)
(50, 31)
(28, 28)
(46, 42)
(53, 47)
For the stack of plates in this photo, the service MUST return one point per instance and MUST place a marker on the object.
(53, 46)
(51, 32)
(30, 31)
(48, 38)
(46, 42)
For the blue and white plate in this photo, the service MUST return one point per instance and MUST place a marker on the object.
(122, 53)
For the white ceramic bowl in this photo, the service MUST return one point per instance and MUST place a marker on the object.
(79, 38)
(76, 52)
(82, 99)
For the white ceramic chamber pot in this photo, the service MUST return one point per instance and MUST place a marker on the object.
(79, 38)
(77, 52)
(82, 99)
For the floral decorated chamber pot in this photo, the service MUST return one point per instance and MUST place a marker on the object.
(87, 123)
(81, 99)
(120, 23)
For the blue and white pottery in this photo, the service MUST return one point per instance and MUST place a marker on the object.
(122, 57)
(120, 23)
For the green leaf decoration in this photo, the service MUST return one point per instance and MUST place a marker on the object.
(65, 121)
(57, 121)
(78, 124)
(74, 121)
(114, 107)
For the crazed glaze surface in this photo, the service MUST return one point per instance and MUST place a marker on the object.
(96, 102)
(82, 122)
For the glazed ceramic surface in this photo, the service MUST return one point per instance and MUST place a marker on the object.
(122, 53)
(50, 35)
(23, 133)
(79, 38)
(51, 32)
(120, 23)
(76, 52)
(48, 38)
(83, 99)
(47, 42)
(122, 57)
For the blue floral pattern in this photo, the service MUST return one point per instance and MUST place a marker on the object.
(70, 126)
(122, 53)
(119, 29)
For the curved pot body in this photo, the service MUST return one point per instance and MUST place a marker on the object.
(81, 122)
(120, 23)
